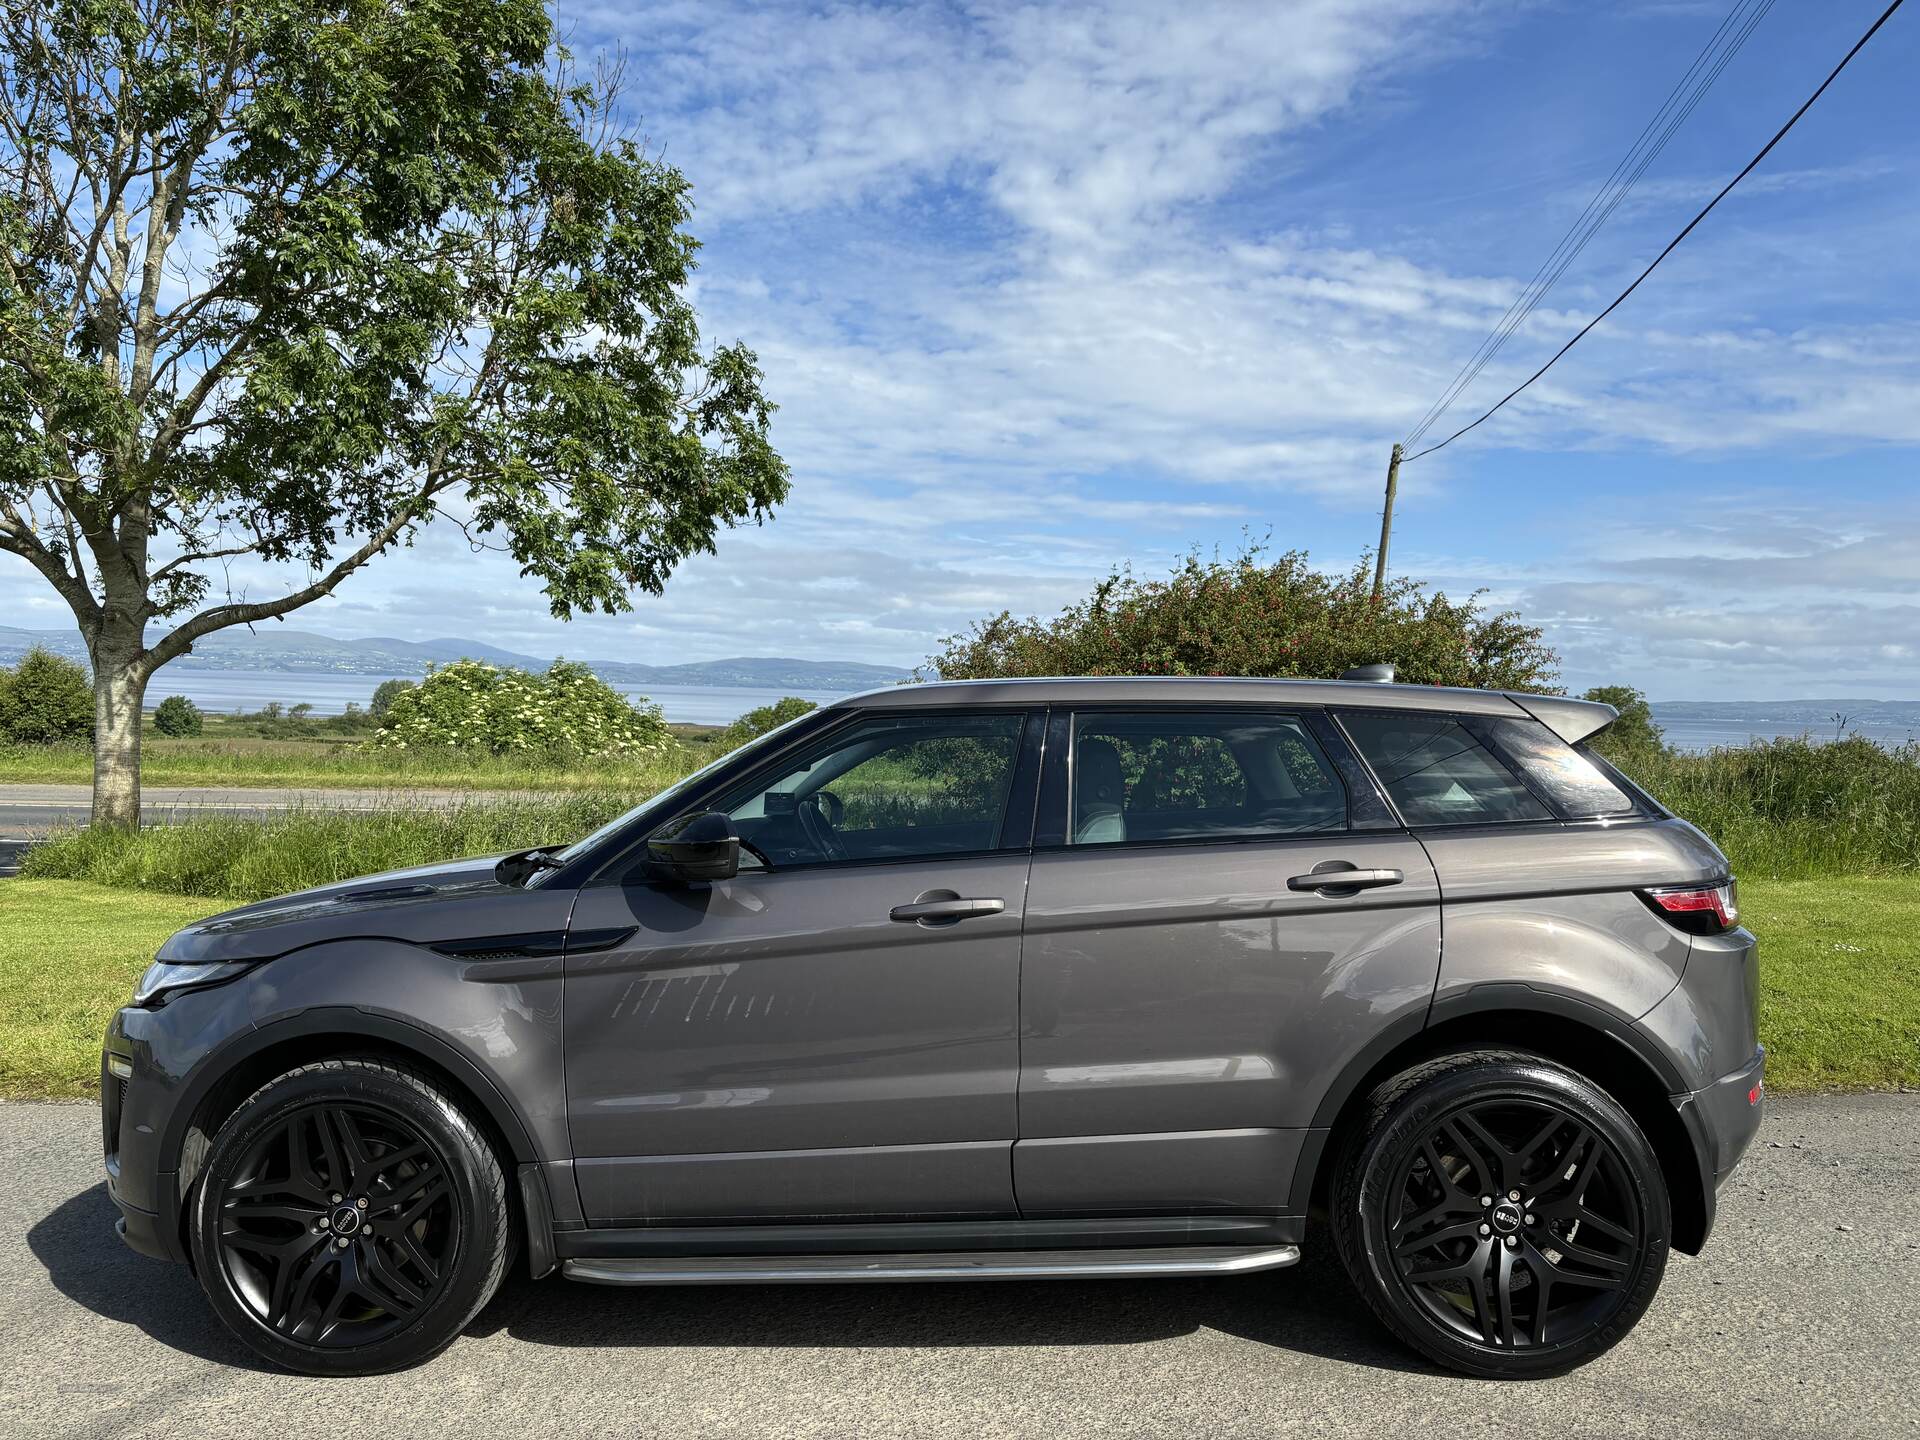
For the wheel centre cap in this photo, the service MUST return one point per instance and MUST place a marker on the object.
(346, 1220)
(1507, 1217)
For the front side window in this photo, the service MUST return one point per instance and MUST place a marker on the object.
(1147, 777)
(891, 787)
(1437, 772)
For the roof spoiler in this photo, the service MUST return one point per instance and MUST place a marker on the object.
(1572, 720)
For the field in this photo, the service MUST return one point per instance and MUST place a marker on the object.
(1840, 962)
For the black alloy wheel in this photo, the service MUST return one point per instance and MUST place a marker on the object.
(350, 1219)
(339, 1225)
(1502, 1214)
(1517, 1224)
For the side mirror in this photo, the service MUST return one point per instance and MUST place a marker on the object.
(701, 846)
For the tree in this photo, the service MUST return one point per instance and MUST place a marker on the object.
(286, 279)
(1634, 733)
(761, 719)
(45, 700)
(1258, 616)
(384, 695)
(177, 716)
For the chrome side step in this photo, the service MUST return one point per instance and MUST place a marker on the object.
(975, 1265)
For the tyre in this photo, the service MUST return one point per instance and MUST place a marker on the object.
(1502, 1215)
(350, 1219)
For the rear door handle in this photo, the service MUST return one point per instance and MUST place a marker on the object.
(1347, 878)
(946, 912)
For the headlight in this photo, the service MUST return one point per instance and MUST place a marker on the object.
(164, 977)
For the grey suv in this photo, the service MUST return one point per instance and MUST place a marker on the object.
(984, 980)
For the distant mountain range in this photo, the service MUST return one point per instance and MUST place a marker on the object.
(301, 652)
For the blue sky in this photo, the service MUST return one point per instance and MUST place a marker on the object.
(1044, 288)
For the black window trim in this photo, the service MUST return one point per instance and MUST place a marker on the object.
(1054, 802)
(1552, 817)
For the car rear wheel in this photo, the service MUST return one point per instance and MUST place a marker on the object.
(350, 1219)
(1501, 1214)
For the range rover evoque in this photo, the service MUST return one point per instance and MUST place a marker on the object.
(985, 979)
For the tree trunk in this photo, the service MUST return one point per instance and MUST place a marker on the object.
(119, 693)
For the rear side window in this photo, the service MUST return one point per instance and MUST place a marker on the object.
(1571, 781)
(1437, 772)
(1155, 776)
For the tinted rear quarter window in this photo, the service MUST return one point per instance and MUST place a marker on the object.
(1578, 787)
(1437, 772)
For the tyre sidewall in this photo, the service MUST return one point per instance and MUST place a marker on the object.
(475, 1186)
(1408, 1121)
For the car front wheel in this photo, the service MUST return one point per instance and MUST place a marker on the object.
(1501, 1214)
(350, 1219)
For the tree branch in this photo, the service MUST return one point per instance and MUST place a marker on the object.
(180, 639)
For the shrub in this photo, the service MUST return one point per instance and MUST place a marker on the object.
(46, 700)
(384, 695)
(757, 722)
(177, 716)
(1255, 616)
(1634, 733)
(568, 710)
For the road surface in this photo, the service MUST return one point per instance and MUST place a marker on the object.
(1802, 1319)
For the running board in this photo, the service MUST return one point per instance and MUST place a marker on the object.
(984, 1265)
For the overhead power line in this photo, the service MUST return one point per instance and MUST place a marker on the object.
(1674, 243)
(1681, 101)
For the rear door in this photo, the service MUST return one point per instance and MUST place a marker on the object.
(1190, 983)
(832, 1032)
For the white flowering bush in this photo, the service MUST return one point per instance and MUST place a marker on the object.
(569, 710)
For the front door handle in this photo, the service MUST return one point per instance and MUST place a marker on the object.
(947, 910)
(1344, 878)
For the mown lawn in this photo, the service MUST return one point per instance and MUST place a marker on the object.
(69, 954)
(1840, 959)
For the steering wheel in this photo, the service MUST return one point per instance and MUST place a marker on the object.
(819, 814)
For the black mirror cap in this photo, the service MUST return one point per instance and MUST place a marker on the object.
(700, 846)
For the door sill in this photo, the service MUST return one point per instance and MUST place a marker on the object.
(1111, 1263)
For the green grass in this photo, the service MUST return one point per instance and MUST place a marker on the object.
(249, 760)
(1840, 964)
(253, 859)
(1840, 980)
(1791, 809)
(69, 955)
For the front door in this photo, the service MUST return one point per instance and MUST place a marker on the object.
(833, 1032)
(1190, 986)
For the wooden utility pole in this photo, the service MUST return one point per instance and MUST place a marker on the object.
(1386, 523)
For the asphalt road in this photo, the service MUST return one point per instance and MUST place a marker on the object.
(1788, 1325)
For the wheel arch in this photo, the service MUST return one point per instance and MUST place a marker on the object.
(334, 1033)
(1603, 1047)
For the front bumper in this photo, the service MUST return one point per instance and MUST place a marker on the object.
(145, 1062)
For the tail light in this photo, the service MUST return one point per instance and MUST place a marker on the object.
(1697, 909)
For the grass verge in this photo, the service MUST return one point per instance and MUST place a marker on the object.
(1840, 980)
(245, 859)
(321, 764)
(69, 954)
(1840, 961)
